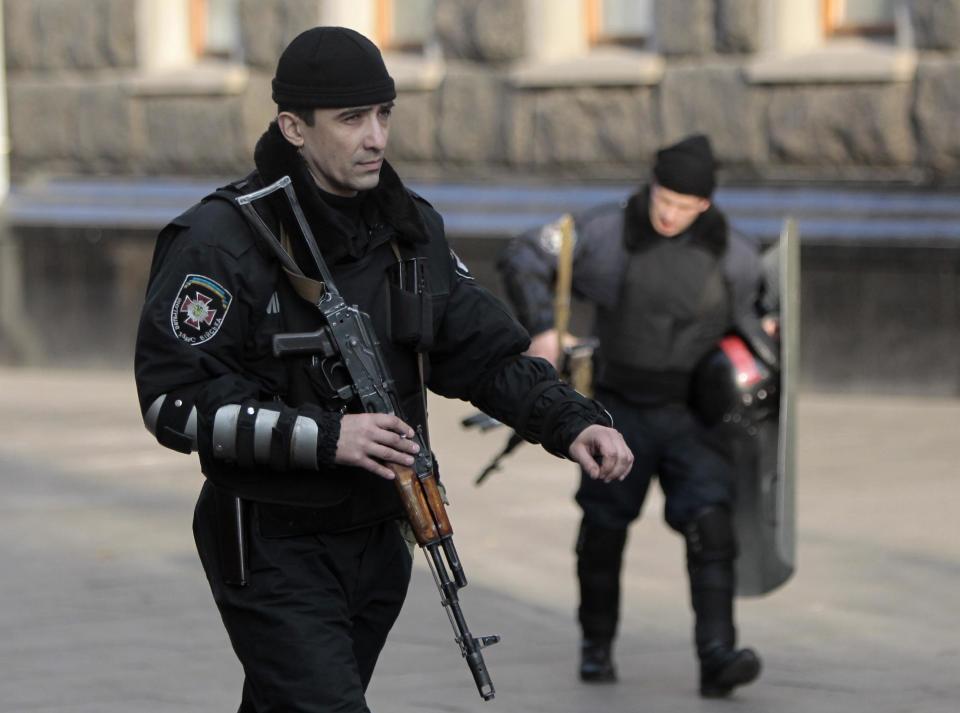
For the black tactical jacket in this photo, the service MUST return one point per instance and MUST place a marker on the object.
(216, 298)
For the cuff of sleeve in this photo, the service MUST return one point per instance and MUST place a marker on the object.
(566, 420)
(328, 432)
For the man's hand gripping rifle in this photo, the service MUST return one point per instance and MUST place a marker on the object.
(348, 348)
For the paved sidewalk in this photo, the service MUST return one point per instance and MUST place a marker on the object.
(104, 608)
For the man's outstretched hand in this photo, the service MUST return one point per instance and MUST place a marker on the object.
(602, 453)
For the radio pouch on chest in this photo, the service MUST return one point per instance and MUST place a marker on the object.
(409, 305)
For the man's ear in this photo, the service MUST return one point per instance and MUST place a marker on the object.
(290, 128)
(705, 204)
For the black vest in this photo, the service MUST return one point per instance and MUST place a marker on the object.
(673, 307)
(357, 496)
(341, 498)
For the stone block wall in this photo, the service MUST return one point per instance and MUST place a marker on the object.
(859, 125)
(684, 28)
(489, 32)
(738, 26)
(583, 131)
(80, 105)
(936, 116)
(936, 24)
(69, 35)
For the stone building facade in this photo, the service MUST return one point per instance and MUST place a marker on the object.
(500, 88)
(121, 114)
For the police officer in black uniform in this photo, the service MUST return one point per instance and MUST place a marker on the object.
(668, 280)
(319, 523)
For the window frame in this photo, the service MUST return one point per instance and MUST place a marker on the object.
(559, 54)
(384, 11)
(167, 62)
(199, 25)
(197, 13)
(598, 36)
(834, 24)
(797, 50)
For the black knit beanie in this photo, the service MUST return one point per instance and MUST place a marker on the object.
(687, 167)
(331, 68)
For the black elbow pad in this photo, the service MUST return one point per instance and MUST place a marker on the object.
(172, 419)
(274, 436)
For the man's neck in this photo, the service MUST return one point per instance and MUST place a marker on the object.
(348, 205)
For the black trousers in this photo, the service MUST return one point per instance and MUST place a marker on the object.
(695, 475)
(669, 442)
(310, 624)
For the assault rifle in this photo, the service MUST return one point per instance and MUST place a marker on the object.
(348, 351)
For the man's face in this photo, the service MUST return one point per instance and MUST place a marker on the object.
(671, 213)
(344, 147)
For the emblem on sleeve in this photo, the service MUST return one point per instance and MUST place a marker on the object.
(461, 268)
(199, 309)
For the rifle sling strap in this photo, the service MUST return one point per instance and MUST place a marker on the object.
(309, 289)
(420, 367)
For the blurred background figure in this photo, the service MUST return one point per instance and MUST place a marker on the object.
(669, 281)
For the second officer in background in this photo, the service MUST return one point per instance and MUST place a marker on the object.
(668, 280)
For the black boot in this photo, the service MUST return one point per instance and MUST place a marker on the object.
(599, 557)
(596, 662)
(711, 549)
(725, 668)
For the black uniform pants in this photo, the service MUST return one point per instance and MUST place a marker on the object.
(669, 442)
(695, 474)
(311, 622)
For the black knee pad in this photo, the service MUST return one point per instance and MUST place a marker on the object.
(711, 549)
(710, 536)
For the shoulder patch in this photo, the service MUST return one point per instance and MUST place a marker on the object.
(460, 266)
(199, 309)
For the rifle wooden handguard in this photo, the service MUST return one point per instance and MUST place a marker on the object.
(423, 503)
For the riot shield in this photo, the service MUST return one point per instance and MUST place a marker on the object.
(765, 454)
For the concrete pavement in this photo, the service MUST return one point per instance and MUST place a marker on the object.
(104, 607)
